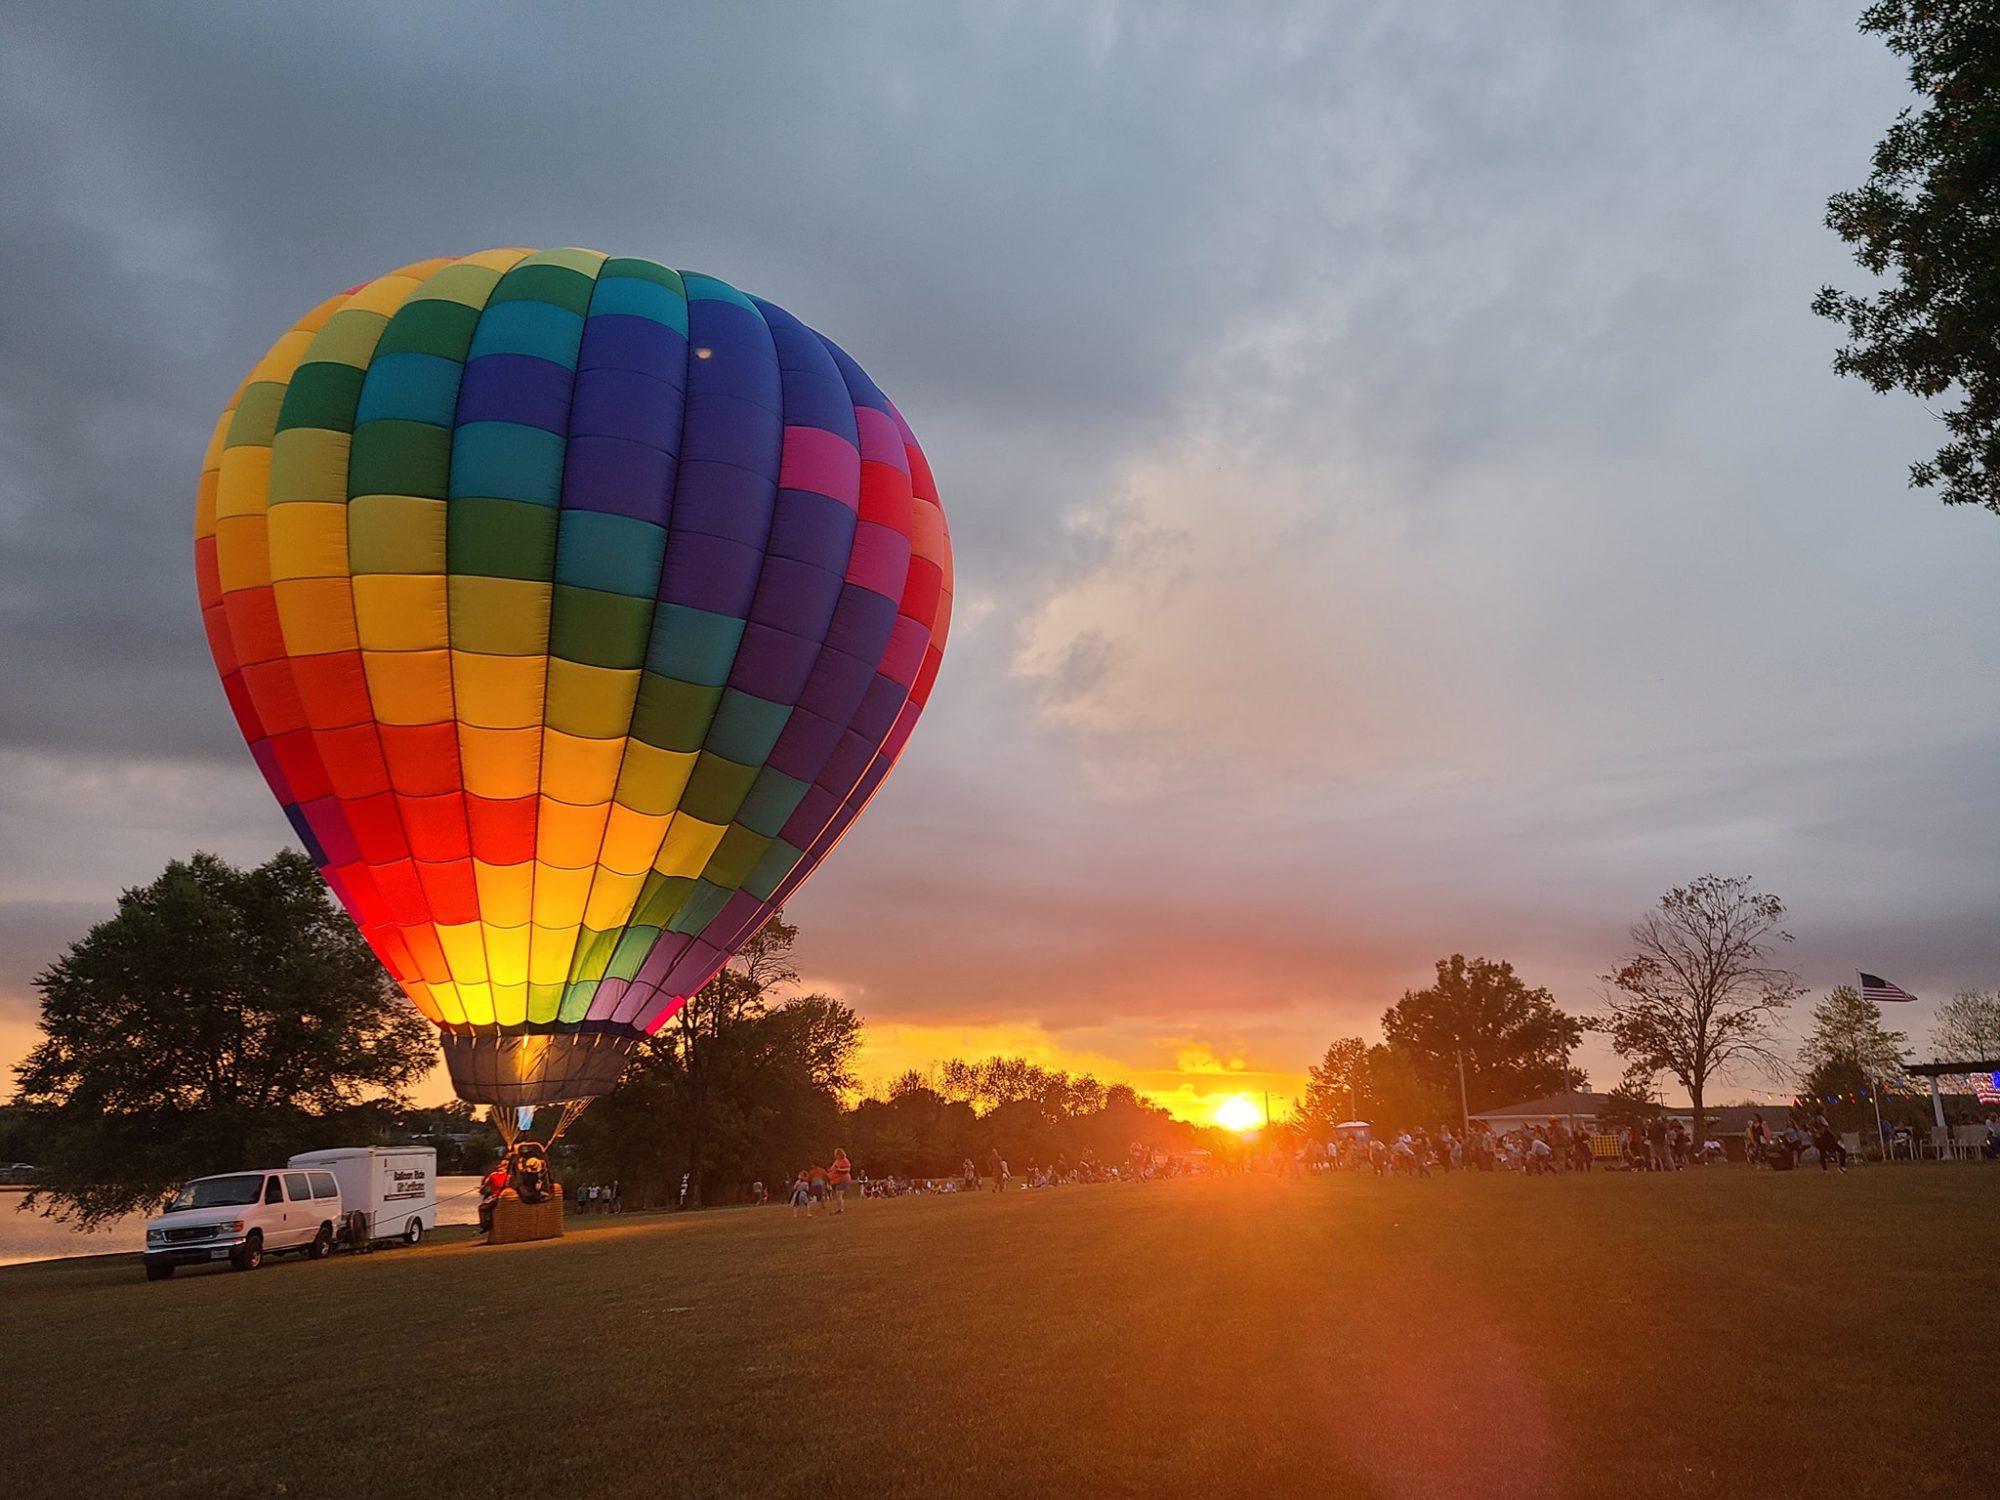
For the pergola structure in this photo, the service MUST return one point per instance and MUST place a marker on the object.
(1936, 1070)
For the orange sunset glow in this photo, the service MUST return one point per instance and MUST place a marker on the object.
(1194, 1082)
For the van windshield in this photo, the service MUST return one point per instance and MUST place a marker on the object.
(219, 1192)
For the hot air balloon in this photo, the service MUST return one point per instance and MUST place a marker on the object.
(573, 607)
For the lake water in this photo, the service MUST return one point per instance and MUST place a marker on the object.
(25, 1237)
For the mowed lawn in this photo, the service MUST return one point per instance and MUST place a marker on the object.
(1716, 1333)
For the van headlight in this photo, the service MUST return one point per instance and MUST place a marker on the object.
(156, 1236)
(233, 1226)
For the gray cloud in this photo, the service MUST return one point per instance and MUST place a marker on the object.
(1488, 320)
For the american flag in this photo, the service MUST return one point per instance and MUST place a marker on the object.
(1988, 1087)
(1875, 987)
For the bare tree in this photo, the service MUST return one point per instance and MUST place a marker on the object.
(1696, 995)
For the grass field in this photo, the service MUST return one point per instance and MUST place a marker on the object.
(1717, 1333)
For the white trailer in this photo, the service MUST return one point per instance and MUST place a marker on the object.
(394, 1188)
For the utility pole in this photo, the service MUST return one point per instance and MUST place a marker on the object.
(1464, 1109)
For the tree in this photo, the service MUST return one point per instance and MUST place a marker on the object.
(1967, 1027)
(1335, 1085)
(1379, 1084)
(1513, 1041)
(1397, 1097)
(221, 1019)
(1633, 1102)
(1847, 1031)
(704, 1023)
(1696, 995)
(1927, 220)
(746, 1082)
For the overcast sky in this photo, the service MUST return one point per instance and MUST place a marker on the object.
(1400, 498)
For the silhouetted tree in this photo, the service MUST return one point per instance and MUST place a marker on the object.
(1696, 995)
(1513, 1041)
(745, 1082)
(1927, 223)
(223, 1018)
(1335, 1086)
(1379, 1084)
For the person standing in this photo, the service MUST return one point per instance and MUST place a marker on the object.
(1828, 1142)
(838, 1176)
(1541, 1156)
(994, 1168)
(1656, 1144)
(491, 1186)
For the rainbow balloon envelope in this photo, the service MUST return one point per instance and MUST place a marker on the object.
(573, 607)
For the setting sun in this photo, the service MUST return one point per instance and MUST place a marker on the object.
(1239, 1112)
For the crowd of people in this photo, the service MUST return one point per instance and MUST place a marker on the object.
(1659, 1144)
(1539, 1150)
(823, 1189)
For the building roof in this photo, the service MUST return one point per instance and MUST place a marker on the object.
(1561, 1106)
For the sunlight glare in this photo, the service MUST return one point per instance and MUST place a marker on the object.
(1239, 1112)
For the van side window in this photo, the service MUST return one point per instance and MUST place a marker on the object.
(272, 1192)
(324, 1186)
(296, 1187)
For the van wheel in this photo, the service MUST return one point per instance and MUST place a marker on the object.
(251, 1256)
(159, 1270)
(322, 1245)
(413, 1232)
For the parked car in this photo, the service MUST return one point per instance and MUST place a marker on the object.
(241, 1217)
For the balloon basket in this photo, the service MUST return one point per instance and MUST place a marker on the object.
(515, 1222)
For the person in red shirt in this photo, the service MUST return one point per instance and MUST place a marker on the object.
(490, 1188)
(839, 1175)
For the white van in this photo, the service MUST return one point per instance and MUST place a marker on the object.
(241, 1217)
(393, 1188)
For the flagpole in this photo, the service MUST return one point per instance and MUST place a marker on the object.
(1880, 1144)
